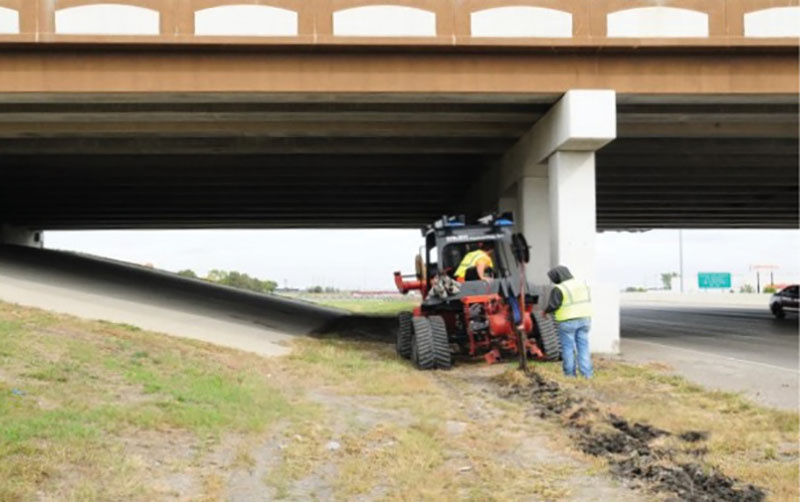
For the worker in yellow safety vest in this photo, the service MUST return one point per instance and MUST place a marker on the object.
(476, 265)
(570, 303)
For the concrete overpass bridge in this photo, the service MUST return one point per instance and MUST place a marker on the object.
(377, 160)
(579, 116)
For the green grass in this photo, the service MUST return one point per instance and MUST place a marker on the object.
(370, 306)
(199, 398)
(370, 369)
(86, 385)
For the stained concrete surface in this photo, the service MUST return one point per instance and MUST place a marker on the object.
(740, 349)
(94, 288)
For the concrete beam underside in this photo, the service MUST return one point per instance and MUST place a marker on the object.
(19, 236)
(274, 160)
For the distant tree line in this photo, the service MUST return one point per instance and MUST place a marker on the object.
(320, 289)
(235, 280)
(749, 288)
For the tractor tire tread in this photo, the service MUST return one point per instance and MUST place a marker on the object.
(423, 344)
(548, 335)
(405, 332)
(441, 344)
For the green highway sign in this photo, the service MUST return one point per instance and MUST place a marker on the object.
(710, 280)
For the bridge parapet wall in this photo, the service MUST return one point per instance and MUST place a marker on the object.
(404, 22)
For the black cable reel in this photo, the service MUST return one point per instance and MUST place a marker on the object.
(520, 248)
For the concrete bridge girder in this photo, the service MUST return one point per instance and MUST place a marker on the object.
(139, 161)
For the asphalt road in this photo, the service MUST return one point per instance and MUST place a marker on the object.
(95, 288)
(736, 348)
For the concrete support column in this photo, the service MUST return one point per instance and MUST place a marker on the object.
(508, 201)
(573, 208)
(533, 220)
(573, 224)
(19, 236)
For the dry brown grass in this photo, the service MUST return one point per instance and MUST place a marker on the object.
(752, 443)
(92, 388)
(243, 458)
(394, 443)
(213, 488)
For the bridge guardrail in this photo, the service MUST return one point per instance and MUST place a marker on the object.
(567, 23)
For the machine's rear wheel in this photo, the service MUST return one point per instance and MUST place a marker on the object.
(405, 331)
(441, 346)
(547, 336)
(422, 353)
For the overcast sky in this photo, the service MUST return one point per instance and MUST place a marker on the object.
(365, 259)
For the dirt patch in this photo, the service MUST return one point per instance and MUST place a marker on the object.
(694, 436)
(631, 449)
(361, 327)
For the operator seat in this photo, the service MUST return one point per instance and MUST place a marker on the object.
(452, 258)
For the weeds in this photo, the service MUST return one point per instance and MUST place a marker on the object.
(88, 393)
(82, 387)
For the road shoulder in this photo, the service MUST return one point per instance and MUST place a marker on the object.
(766, 384)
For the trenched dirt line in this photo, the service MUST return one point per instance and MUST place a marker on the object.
(629, 448)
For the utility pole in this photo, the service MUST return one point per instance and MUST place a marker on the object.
(680, 255)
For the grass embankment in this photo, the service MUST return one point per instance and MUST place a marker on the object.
(92, 411)
(406, 437)
(76, 397)
(95, 411)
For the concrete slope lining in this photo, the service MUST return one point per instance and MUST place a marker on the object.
(102, 289)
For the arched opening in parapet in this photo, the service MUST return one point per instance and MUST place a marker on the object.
(107, 19)
(384, 21)
(521, 21)
(246, 20)
(774, 22)
(9, 21)
(657, 22)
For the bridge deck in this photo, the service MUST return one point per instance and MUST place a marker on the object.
(150, 161)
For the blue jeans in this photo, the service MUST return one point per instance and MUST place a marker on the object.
(574, 335)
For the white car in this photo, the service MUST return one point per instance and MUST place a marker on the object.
(785, 300)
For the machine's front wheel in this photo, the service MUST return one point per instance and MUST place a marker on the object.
(441, 344)
(546, 332)
(405, 331)
(422, 353)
